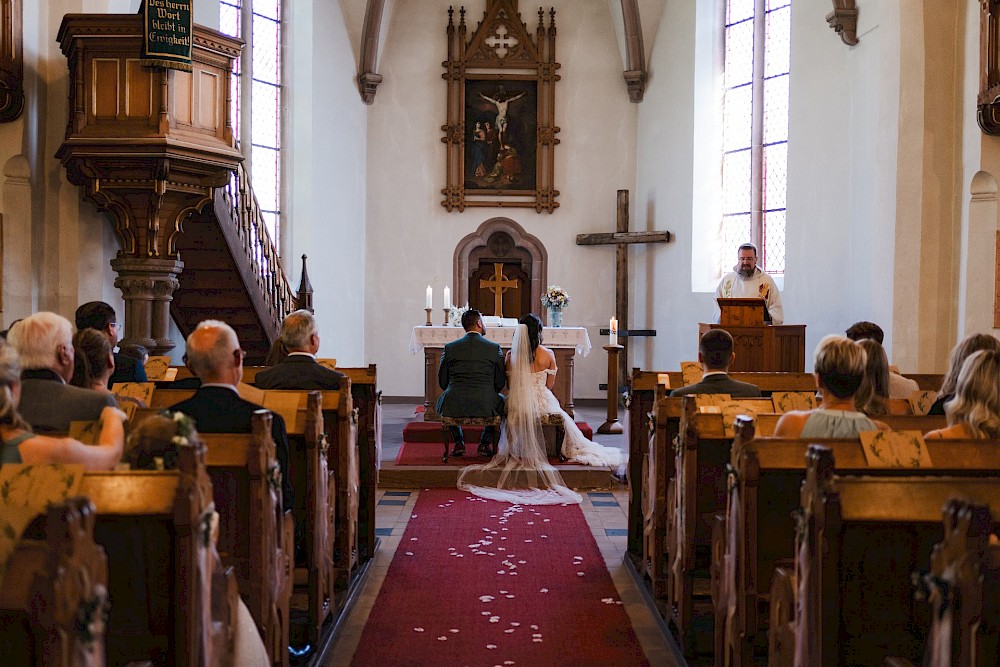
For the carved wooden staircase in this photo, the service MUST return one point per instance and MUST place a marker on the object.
(232, 271)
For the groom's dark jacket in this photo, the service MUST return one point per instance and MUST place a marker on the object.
(472, 374)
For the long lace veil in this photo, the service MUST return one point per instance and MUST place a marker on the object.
(520, 472)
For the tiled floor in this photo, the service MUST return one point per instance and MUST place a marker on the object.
(605, 513)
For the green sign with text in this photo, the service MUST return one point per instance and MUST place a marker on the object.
(168, 31)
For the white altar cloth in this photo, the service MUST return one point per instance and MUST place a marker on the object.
(433, 336)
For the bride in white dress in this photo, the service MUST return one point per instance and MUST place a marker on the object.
(520, 472)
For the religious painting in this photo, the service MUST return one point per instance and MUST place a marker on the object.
(500, 135)
(501, 124)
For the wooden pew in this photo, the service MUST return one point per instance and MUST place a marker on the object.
(368, 402)
(256, 533)
(859, 539)
(52, 584)
(765, 475)
(702, 453)
(963, 590)
(172, 602)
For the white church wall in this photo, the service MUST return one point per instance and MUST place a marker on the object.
(325, 126)
(411, 237)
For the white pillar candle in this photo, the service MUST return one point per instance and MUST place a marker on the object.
(613, 336)
(430, 299)
(447, 297)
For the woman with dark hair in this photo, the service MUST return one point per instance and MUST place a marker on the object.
(525, 475)
(94, 360)
(873, 395)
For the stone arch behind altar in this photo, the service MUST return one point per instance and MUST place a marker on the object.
(502, 239)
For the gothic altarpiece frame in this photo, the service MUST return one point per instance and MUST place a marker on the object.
(501, 132)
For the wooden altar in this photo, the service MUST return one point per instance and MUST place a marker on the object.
(761, 348)
(565, 342)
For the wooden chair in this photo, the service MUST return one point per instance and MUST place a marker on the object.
(468, 421)
(757, 534)
(54, 593)
(172, 601)
(858, 539)
(256, 533)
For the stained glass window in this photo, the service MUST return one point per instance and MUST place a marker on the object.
(755, 130)
(256, 97)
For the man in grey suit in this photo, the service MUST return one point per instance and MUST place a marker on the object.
(44, 343)
(715, 352)
(472, 373)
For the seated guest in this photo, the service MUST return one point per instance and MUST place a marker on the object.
(44, 343)
(94, 361)
(839, 367)
(100, 316)
(715, 352)
(873, 395)
(135, 351)
(214, 355)
(959, 354)
(899, 386)
(19, 445)
(299, 370)
(974, 411)
(276, 353)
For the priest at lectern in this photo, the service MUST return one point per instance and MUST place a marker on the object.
(747, 281)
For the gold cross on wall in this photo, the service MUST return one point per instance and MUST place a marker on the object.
(498, 284)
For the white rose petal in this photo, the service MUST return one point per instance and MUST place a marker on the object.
(491, 646)
(442, 638)
(418, 629)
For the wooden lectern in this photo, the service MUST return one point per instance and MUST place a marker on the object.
(748, 312)
(759, 347)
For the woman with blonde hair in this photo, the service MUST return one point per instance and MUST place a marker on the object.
(873, 395)
(974, 411)
(959, 354)
(19, 445)
(839, 368)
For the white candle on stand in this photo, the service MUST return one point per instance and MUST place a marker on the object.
(447, 297)
(613, 337)
(430, 299)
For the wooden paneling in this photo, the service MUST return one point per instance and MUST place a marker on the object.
(209, 100)
(105, 91)
(138, 89)
(183, 98)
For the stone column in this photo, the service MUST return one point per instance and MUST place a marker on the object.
(148, 287)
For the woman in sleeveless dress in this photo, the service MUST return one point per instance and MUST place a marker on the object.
(839, 367)
(520, 472)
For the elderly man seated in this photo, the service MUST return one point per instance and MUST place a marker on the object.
(299, 370)
(214, 355)
(48, 403)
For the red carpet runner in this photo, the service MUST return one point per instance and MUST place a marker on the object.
(476, 582)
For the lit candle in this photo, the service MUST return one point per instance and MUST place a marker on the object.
(447, 297)
(430, 299)
(613, 337)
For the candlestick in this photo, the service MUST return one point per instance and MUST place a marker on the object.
(447, 312)
(430, 298)
(611, 424)
(428, 311)
(447, 298)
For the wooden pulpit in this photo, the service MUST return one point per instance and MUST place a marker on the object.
(759, 347)
(747, 312)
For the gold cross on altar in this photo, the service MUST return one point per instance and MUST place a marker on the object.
(498, 284)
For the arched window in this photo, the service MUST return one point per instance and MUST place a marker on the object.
(755, 130)
(256, 97)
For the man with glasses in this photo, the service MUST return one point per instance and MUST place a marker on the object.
(101, 317)
(214, 355)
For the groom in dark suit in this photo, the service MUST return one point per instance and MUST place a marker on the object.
(715, 352)
(472, 373)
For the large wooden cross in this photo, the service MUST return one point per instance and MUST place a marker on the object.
(498, 284)
(621, 238)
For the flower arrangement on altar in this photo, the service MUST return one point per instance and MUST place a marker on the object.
(455, 315)
(555, 297)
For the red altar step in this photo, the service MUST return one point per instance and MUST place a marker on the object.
(421, 431)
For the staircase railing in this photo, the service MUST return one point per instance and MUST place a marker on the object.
(260, 250)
